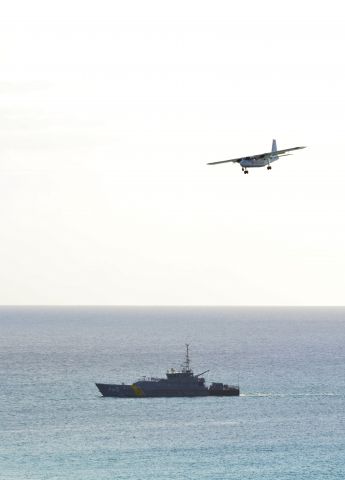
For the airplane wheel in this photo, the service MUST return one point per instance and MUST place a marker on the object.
(269, 168)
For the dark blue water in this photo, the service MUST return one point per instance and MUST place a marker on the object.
(289, 422)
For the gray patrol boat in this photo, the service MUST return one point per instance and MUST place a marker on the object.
(181, 383)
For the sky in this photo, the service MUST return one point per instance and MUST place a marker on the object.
(109, 113)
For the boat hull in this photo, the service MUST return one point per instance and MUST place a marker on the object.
(135, 391)
(228, 392)
(109, 390)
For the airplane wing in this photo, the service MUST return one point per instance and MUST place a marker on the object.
(235, 160)
(278, 153)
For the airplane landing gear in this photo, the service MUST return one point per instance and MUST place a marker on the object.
(269, 167)
(245, 171)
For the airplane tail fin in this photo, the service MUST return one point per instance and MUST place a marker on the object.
(274, 146)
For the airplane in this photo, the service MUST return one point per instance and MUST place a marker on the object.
(260, 160)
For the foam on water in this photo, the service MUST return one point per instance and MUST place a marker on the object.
(321, 394)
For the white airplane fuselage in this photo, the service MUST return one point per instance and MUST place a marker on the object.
(252, 162)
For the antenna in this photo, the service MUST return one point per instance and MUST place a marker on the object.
(187, 358)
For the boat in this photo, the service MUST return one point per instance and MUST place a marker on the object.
(178, 383)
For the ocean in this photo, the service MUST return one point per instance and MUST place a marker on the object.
(288, 423)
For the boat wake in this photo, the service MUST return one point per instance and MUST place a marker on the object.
(306, 394)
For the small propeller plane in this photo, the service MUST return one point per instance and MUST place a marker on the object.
(260, 160)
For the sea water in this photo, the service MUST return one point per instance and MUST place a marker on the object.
(288, 423)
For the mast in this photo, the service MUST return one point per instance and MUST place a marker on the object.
(187, 362)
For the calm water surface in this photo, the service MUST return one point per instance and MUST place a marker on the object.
(289, 422)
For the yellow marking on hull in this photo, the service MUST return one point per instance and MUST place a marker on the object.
(137, 390)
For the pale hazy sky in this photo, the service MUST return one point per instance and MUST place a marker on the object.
(109, 113)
